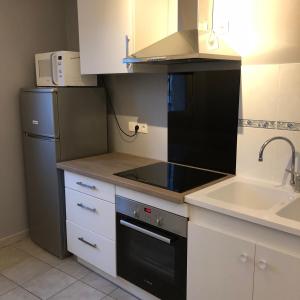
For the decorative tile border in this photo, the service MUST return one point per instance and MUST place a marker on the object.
(266, 124)
(288, 126)
(257, 123)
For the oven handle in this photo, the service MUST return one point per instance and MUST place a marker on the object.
(145, 231)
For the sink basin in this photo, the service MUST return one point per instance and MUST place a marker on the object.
(291, 211)
(249, 195)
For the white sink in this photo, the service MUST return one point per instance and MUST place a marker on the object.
(249, 195)
(291, 211)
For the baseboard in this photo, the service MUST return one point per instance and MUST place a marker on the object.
(122, 283)
(11, 239)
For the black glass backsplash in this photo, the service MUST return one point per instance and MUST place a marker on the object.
(203, 119)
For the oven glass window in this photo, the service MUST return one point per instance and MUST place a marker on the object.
(154, 265)
(149, 253)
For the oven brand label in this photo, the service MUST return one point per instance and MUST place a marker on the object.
(148, 282)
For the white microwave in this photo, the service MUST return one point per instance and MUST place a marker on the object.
(61, 68)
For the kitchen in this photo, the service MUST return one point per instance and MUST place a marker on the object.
(268, 42)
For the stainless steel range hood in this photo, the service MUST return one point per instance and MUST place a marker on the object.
(188, 44)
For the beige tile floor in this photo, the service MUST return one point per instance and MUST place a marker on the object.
(27, 273)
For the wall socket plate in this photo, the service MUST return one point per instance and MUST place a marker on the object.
(143, 128)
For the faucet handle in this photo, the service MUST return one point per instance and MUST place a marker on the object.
(297, 183)
(293, 176)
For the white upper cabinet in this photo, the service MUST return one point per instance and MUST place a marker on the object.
(105, 24)
(152, 21)
(103, 27)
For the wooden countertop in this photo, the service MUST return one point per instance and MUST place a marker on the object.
(102, 167)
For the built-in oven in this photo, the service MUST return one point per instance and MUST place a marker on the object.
(152, 248)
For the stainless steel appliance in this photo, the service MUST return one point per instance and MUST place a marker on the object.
(195, 40)
(151, 248)
(58, 124)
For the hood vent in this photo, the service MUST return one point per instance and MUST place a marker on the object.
(188, 44)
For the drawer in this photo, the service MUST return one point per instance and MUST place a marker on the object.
(90, 186)
(91, 213)
(94, 249)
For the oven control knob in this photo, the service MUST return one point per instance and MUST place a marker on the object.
(158, 221)
(136, 213)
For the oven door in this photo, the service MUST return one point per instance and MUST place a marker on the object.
(150, 258)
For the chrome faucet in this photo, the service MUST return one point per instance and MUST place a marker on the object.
(294, 176)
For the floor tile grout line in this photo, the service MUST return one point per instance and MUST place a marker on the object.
(13, 288)
(51, 267)
(20, 286)
(36, 257)
(55, 267)
(62, 289)
(125, 292)
(106, 294)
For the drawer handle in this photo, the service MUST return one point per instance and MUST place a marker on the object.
(92, 187)
(94, 210)
(81, 239)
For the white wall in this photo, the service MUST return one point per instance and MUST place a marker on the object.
(270, 92)
(266, 33)
(142, 98)
(262, 31)
(26, 27)
(71, 20)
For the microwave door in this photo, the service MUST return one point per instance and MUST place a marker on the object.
(54, 69)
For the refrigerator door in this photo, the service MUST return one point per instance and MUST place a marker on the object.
(39, 112)
(45, 194)
(82, 122)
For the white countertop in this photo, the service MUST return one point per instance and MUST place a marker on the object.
(265, 217)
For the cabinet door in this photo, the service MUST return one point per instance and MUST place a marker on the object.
(276, 275)
(220, 266)
(152, 21)
(103, 26)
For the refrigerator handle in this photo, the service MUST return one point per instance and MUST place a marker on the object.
(40, 137)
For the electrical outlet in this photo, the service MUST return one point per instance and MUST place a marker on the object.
(143, 128)
(203, 26)
(222, 27)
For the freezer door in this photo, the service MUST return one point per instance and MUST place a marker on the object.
(45, 196)
(39, 113)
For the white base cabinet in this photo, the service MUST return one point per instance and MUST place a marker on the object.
(93, 248)
(277, 275)
(220, 267)
(91, 221)
(230, 259)
(93, 214)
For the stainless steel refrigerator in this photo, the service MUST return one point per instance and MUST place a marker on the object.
(58, 124)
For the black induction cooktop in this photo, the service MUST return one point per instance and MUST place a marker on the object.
(171, 176)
